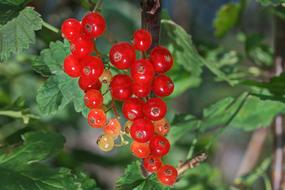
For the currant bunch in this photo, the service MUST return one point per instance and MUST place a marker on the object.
(140, 89)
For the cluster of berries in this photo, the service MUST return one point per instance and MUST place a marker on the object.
(140, 90)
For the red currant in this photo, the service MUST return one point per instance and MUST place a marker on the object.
(162, 85)
(121, 87)
(127, 126)
(154, 109)
(152, 163)
(94, 24)
(71, 66)
(142, 71)
(142, 130)
(85, 83)
(140, 150)
(161, 127)
(141, 90)
(113, 128)
(81, 47)
(105, 143)
(122, 55)
(97, 118)
(142, 40)
(71, 29)
(167, 175)
(93, 99)
(161, 59)
(106, 76)
(132, 108)
(159, 146)
(92, 67)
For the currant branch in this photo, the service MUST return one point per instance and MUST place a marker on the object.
(189, 164)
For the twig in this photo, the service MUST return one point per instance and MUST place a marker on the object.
(98, 5)
(50, 27)
(194, 162)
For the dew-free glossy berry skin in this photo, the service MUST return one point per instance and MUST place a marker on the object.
(96, 118)
(161, 59)
(154, 109)
(162, 85)
(140, 150)
(132, 108)
(159, 146)
(167, 175)
(142, 40)
(121, 87)
(141, 90)
(113, 128)
(81, 47)
(92, 67)
(152, 163)
(142, 71)
(161, 127)
(106, 76)
(71, 29)
(94, 24)
(142, 130)
(85, 83)
(93, 99)
(105, 143)
(122, 55)
(71, 66)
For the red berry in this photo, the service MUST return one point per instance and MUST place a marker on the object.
(132, 108)
(113, 128)
(71, 29)
(152, 164)
(142, 71)
(142, 130)
(142, 40)
(94, 24)
(81, 47)
(71, 66)
(122, 55)
(159, 146)
(161, 127)
(141, 90)
(97, 118)
(161, 59)
(93, 99)
(121, 87)
(167, 175)
(154, 109)
(140, 150)
(86, 83)
(92, 67)
(162, 85)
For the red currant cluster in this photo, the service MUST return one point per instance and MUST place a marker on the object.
(140, 89)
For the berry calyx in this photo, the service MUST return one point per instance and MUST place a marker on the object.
(161, 59)
(161, 127)
(113, 128)
(122, 55)
(142, 71)
(141, 90)
(81, 47)
(142, 130)
(105, 143)
(96, 118)
(159, 146)
(142, 40)
(92, 67)
(152, 163)
(93, 99)
(94, 24)
(155, 109)
(132, 108)
(167, 175)
(162, 85)
(106, 76)
(121, 87)
(85, 83)
(71, 66)
(140, 150)
(71, 29)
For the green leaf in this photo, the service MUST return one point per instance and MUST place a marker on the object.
(19, 33)
(20, 168)
(226, 18)
(270, 2)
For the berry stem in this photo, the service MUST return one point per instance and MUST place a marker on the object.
(98, 5)
(115, 109)
(96, 50)
(50, 27)
(189, 164)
